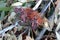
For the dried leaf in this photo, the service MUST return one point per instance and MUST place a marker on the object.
(1, 39)
(17, 4)
(8, 36)
(11, 17)
(1, 25)
(14, 37)
(15, 29)
(20, 27)
(23, 1)
(20, 37)
(29, 38)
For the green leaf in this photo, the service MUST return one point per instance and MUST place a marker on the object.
(2, 4)
(2, 15)
(24, 4)
(5, 8)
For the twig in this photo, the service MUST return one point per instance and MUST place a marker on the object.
(8, 28)
(37, 5)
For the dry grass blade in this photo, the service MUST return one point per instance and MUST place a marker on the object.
(37, 5)
(41, 34)
(43, 10)
(20, 37)
(58, 36)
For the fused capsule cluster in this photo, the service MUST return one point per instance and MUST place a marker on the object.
(30, 15)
